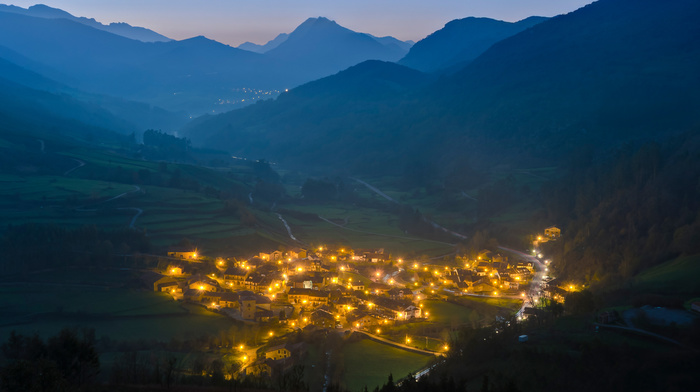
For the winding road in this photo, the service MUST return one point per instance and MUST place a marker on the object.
(80, 164)
(138, 213)
(435, 225)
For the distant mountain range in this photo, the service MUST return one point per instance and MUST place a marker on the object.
(461, 41)
(249, 46)
(193, 76)
(604, 74)
(123, 29)
(320, 46)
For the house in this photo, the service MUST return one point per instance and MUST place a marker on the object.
(411, 312)
(277, 352)
(308, 297)
(513, 284)
(175, 270)
(323, 319)
(359, 319)
(403, 293)
(378, 288)
(259, 368)
(253, 306)
(376, 257)
(228, 300)
(235, 277)
(264, 256)
(255, 282)
(552, 232)
(276, 255)
(399, 310)
(184, 255)
(165, 283)
(203, 284)
(170, 287)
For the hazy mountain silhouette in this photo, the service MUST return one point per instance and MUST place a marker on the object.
(606, 73)
(128, 115)
(193, 75)
(319, 47)
(179, 75)
(324, 120)
(273, 43)
(123, 29)
(461, 41)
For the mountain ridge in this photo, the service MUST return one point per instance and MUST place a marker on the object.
(119, 28)
(461, 41)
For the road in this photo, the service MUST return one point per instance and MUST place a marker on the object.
(535, 285)
(398, 345)
(80, 164)
(435, 225)
(138, 213)
(133, 220)
(375, 190)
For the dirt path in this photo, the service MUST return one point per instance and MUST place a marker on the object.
(80, 164)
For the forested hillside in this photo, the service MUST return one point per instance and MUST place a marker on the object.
(629, 212)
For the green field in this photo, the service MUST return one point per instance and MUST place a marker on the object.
(52, 301)
(677, 276)
(368, 363)
(441, 312)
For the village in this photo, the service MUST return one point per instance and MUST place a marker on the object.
(337, 289)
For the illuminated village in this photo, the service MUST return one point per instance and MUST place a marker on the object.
(342, 290)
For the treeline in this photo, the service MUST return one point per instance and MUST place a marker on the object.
(627, 213)
(33, 247)
(65, 362)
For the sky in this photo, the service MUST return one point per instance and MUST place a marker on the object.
(236, 21)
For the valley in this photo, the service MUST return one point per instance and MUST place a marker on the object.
(502, 205)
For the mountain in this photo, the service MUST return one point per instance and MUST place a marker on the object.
(138, 116)
(331, 120)
(600, 76)
(189, 75)
(249, 46)
(24, 110)
(461, 41)
(123, 29)
(192, 76)
(320, 47)
(393, 42)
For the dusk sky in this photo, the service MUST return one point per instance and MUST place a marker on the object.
(236, 21)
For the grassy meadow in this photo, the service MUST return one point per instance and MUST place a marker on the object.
(368, 363)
